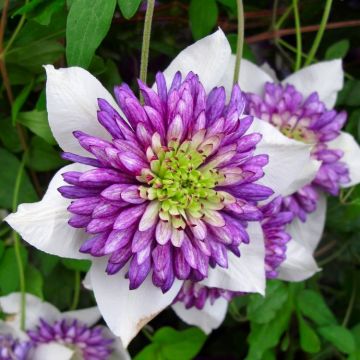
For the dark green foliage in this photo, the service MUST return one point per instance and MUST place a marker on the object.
(318, 319)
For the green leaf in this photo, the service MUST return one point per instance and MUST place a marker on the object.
(9, 273)
(203, 16)
(34, 55)
(349, 95)
(42, 156)
(313, 306)
(20, 100)
(263, 309)
(338, 50)
(44, 14)
(34, 281)
(129, 7)
(46, 263)
(170, 344)
(86, 28)
(356, 333)
(37, 122)
(9, 136)
(309, 341)
(263, 337)
(10, 165)
(339, 336)
(78, 265)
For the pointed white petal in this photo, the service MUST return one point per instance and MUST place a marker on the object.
(53, 351)
(290, 166)
(326, 78)
(119, 352)
(207, 58)
(127, 311)
(71, 96)
(35, 308)
(10, 329)
(351, 158)
(87, 281)
(88, 316)
(252, 77)
(207, 319)
(44, 224)
(246, 273)
(299, 264)
(309, 234)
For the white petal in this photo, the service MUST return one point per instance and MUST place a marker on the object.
(87, 281)
(53, 351)
(119, 352)
(351, 149)
(88, 316)
(290, 166)
(44, 224)
(207, 319)
(127, 311)
(71, 97)
(326, 78)
(309, 234)
(10, 329)
(299, 264)
(252, 77)
(246, 273)
(207, 58)
(35, 309)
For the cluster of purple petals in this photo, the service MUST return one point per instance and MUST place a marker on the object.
(275, 235)
(274, 222)
(14, 349)
(306, 120)
(88, 342)
(106, 200)
(195, 295)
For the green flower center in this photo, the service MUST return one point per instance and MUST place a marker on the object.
(183, 187)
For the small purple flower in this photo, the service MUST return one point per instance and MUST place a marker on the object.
(276, 237)
(88, 343)
(174, 189)
(196, 295)
(309, 121)
(14, 349)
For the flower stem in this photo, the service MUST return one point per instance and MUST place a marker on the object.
(283, 18)
(146, 40)
(240, 39)
(351, 304)
(320, 33)
(298, 36)
(76, 297)
(17, 248)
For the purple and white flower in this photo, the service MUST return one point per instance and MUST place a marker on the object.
(161, 193)
(53, 335)
(301, 107)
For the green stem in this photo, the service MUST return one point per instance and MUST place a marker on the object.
(320, 33)
(351, 304)
(77, 284)
(240, 39)
(298, 36)
(146, 41)
(305, 56)
(17, 246)
(16, 32)
(283, 17)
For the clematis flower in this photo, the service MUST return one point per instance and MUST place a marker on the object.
(161, 193)
(301, 107)
(54, 335)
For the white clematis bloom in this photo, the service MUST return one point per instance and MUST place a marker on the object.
(301, 107)
(51, 334)
(147, 236)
